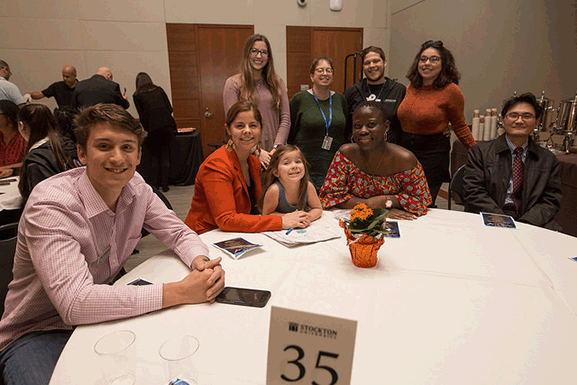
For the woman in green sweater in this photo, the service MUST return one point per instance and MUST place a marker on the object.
(318, 120)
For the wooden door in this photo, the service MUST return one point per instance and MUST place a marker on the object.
(201, 58)
(337, 43)
(306, 43)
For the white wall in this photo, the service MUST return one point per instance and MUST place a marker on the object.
(37, 38)
(500, 46)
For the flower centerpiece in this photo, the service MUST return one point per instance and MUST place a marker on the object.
(365, 231)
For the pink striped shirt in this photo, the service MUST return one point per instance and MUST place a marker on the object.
(70, 244)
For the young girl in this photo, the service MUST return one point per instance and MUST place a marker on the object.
(288, 187)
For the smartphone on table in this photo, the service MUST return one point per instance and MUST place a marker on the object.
(244, 297)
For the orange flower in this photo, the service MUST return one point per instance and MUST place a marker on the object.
(360, 207)
(361, 211)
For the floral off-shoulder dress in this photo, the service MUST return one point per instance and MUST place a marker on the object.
(345, 180)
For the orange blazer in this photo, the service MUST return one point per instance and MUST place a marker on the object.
(221, 197)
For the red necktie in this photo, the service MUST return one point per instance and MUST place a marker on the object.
(517, 177)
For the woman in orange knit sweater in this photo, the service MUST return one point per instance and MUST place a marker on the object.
(227, 186)
(433, 100)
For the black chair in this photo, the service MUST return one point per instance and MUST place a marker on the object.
(8, 237)
(457, 186)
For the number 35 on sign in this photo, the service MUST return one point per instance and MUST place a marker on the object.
(307, 348)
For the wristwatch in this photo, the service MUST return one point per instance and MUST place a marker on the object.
(276, 146)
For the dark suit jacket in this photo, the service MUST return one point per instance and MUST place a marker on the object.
(487, 176)
(96, 90)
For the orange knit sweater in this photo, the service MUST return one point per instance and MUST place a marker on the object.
(428, 111)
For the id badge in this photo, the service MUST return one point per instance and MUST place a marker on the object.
(327, 142)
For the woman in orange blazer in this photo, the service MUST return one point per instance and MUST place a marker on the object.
(228, 187)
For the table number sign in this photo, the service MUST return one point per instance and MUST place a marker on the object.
(307, 348)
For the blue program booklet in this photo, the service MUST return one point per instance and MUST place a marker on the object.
(236, 247)
(393, 227)
(498, 220)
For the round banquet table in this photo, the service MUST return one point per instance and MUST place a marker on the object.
(450, 302)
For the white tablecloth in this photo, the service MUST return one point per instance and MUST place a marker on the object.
(450, 302)
(10, 199)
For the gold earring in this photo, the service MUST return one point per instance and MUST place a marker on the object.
(230, 145)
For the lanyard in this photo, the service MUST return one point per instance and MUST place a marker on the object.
(327, 124)
(369, 92)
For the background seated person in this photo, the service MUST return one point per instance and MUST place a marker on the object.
(375, 172)
(12, 144)
(532, 193)
(48, 153)
(77, 231)
(228, 183)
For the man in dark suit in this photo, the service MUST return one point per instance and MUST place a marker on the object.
(512, 175)
(98, 89)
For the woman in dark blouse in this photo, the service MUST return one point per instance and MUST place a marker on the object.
(155, 112)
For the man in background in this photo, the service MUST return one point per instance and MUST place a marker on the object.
(62, 90)
(375, 86)
(9, 90)
(98, 89)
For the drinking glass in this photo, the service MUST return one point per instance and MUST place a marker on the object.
(179, 352)
(115, 351)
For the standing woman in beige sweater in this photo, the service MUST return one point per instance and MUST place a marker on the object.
(258, 83)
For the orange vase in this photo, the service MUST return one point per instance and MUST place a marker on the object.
(364, 249)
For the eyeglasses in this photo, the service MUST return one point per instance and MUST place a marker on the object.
(514, 116)
(432, 59)
(321, 71)
(262, 52)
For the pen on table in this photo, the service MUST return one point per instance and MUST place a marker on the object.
(289, 231)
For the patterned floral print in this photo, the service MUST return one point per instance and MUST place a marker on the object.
(345, 180)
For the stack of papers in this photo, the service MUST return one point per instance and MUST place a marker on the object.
(316, 232)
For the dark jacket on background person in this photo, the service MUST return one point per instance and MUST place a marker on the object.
(154, 110)
(41, 163)
(486, 180)
(391, 97)
(96, 90)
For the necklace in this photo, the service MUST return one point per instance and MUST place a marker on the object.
(369, 167)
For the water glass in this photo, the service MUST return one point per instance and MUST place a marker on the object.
(179, 352)
(115, 351)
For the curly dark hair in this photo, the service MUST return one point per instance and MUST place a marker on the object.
(449, 73)
(372, 105)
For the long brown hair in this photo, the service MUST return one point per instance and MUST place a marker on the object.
(247, 89)
(39, 120)
(143, 83)
(269, 178)
(449, 73)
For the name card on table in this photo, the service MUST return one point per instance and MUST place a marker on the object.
(307, 348)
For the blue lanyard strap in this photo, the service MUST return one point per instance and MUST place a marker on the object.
(327, 124)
